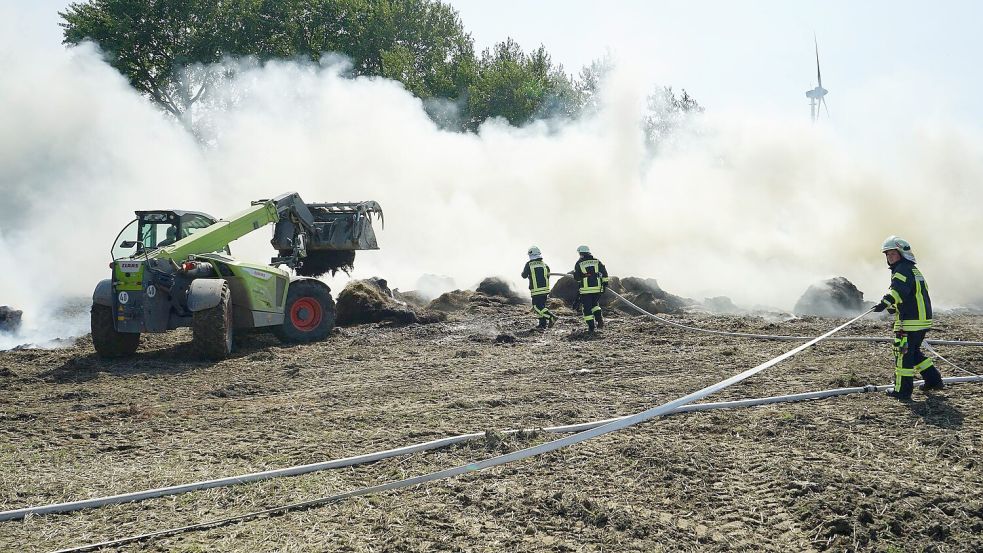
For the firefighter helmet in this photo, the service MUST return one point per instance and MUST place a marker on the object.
(583, 249)
(897, 243)
(534, 253)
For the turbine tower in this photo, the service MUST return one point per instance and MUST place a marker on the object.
(817, 95)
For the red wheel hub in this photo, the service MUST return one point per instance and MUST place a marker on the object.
(305, 314)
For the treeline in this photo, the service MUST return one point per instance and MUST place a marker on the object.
(159, 44)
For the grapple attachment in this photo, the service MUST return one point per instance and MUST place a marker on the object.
(319, 238)
(344, 226)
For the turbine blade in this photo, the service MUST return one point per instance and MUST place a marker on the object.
(819, 76)
(826, 106)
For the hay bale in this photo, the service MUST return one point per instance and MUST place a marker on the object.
(836, 297)
(10, 319)
(364, 302)
(450, 302)
(411, 298)
(382, 284)
(635, 285)
(566, 290)
(500, 288)
(722, 305)
(643, 292)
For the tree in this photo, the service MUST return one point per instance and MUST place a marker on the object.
(149, 41)
(666, 112)
(518, 87)
(157, 44)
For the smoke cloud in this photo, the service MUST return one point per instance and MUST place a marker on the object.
(746, 206)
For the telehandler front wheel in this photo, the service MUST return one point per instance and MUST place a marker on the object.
(308, 314)
(211, 329)
(107, 341)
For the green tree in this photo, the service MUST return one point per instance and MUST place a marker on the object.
(518, 86)
(148, 41)
(157, 44)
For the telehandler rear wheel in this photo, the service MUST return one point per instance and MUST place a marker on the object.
(308, 314)
(211, 329)
(105, 339)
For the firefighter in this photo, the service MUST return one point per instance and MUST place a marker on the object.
(907, 298)
(538, 274)
(592, 277)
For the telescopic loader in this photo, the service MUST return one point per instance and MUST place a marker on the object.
(182, 274)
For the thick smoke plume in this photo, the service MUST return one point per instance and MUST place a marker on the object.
(753, 208)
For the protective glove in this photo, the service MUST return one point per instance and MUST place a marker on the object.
(880, 307)
(892, 310)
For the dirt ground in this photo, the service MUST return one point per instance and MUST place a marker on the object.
(859, 472)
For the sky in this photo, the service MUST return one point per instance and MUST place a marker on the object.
(759, 56)
(750, 200)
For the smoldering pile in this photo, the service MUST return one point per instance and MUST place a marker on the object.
(371, 301)
(836, 297)
(10, 319)
(643, 292)
(492, 292)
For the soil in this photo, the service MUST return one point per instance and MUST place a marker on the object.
(860, 472)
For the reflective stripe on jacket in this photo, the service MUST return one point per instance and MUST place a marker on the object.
(908, 295)
(538, 274)
(591, 275)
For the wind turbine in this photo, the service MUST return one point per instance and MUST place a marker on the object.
(817, 95)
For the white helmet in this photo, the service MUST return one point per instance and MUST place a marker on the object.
(897, 243)
(534, 253)
(583, 249)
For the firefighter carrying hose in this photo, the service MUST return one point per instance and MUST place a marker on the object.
(592, 277)
(907, 298)
(538, 273)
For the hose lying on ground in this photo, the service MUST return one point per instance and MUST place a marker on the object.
(418, 448)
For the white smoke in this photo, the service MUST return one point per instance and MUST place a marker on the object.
(750, 207)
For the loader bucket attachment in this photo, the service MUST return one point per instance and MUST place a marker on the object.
(331, 236)
(344, 226)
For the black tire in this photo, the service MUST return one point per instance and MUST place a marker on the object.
(211, 329)
(308, 315)
(108, 342)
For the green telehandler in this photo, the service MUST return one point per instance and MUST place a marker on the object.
(180, 273)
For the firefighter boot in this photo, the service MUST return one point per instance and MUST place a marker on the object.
(590, 327)
(600, 320)
(933, 380)
(552, 321)
(902, 388)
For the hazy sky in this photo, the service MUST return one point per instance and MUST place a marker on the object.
(906, 58)
(759, 55)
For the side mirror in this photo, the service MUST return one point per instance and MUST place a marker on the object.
(128, 244)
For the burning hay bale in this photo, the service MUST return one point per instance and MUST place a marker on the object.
(450, 302)
(363, 301)
(10, 319)
(836, 297)
(412, 297)
(497, 287)
(643, 292)
(721, 305)
(565, 290)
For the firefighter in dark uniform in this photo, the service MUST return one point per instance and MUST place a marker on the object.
(907, 298)
(538, 274)
(592, 277)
